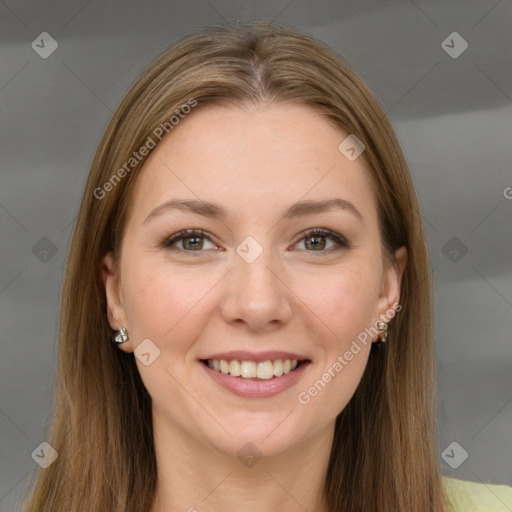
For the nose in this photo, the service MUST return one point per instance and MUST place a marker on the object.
(256, 294)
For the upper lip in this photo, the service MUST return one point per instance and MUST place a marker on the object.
(244, 355)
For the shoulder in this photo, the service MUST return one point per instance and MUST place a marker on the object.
(465, 496)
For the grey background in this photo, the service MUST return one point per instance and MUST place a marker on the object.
(452, 116)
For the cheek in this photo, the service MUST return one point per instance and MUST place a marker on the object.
(341, 310)
(165, 305)
(167, 308)
(344, 302)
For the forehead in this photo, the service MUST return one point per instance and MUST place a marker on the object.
(248, 157)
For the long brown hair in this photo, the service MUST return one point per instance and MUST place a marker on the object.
(383, 456)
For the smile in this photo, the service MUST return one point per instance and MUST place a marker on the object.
(253, 375)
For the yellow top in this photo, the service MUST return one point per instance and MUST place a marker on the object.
(464, 496)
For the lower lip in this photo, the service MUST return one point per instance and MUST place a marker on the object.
(256, 388)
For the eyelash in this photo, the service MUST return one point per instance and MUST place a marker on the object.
(308, 233)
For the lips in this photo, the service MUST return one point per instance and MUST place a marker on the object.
(255, 374)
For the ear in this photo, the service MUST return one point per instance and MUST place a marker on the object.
(390, 284)
(115, 308)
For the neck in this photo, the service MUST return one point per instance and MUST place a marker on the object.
(193, 476)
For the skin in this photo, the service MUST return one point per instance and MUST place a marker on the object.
(194, 302)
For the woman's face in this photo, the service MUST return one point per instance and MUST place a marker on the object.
(251, 290)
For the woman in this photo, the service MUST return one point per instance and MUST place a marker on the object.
(250, 231)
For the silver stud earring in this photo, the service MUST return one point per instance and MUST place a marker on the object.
(120, 336)
(383, 326)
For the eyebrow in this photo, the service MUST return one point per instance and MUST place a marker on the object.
(212, 210)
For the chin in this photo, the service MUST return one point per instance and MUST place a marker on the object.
(261, 434)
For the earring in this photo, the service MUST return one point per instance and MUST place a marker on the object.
(383, 326)
(121, 336)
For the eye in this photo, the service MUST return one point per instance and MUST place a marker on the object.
(315, 235)
(191, 239)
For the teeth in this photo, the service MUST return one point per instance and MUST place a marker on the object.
(265, 370)
(278, 367)
(249, 369)
(235, 368)
(224, 366)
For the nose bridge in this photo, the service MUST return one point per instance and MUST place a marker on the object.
(253, 266)
(255, 294)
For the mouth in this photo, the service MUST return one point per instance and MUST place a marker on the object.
(264, 377)
(255, 370)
